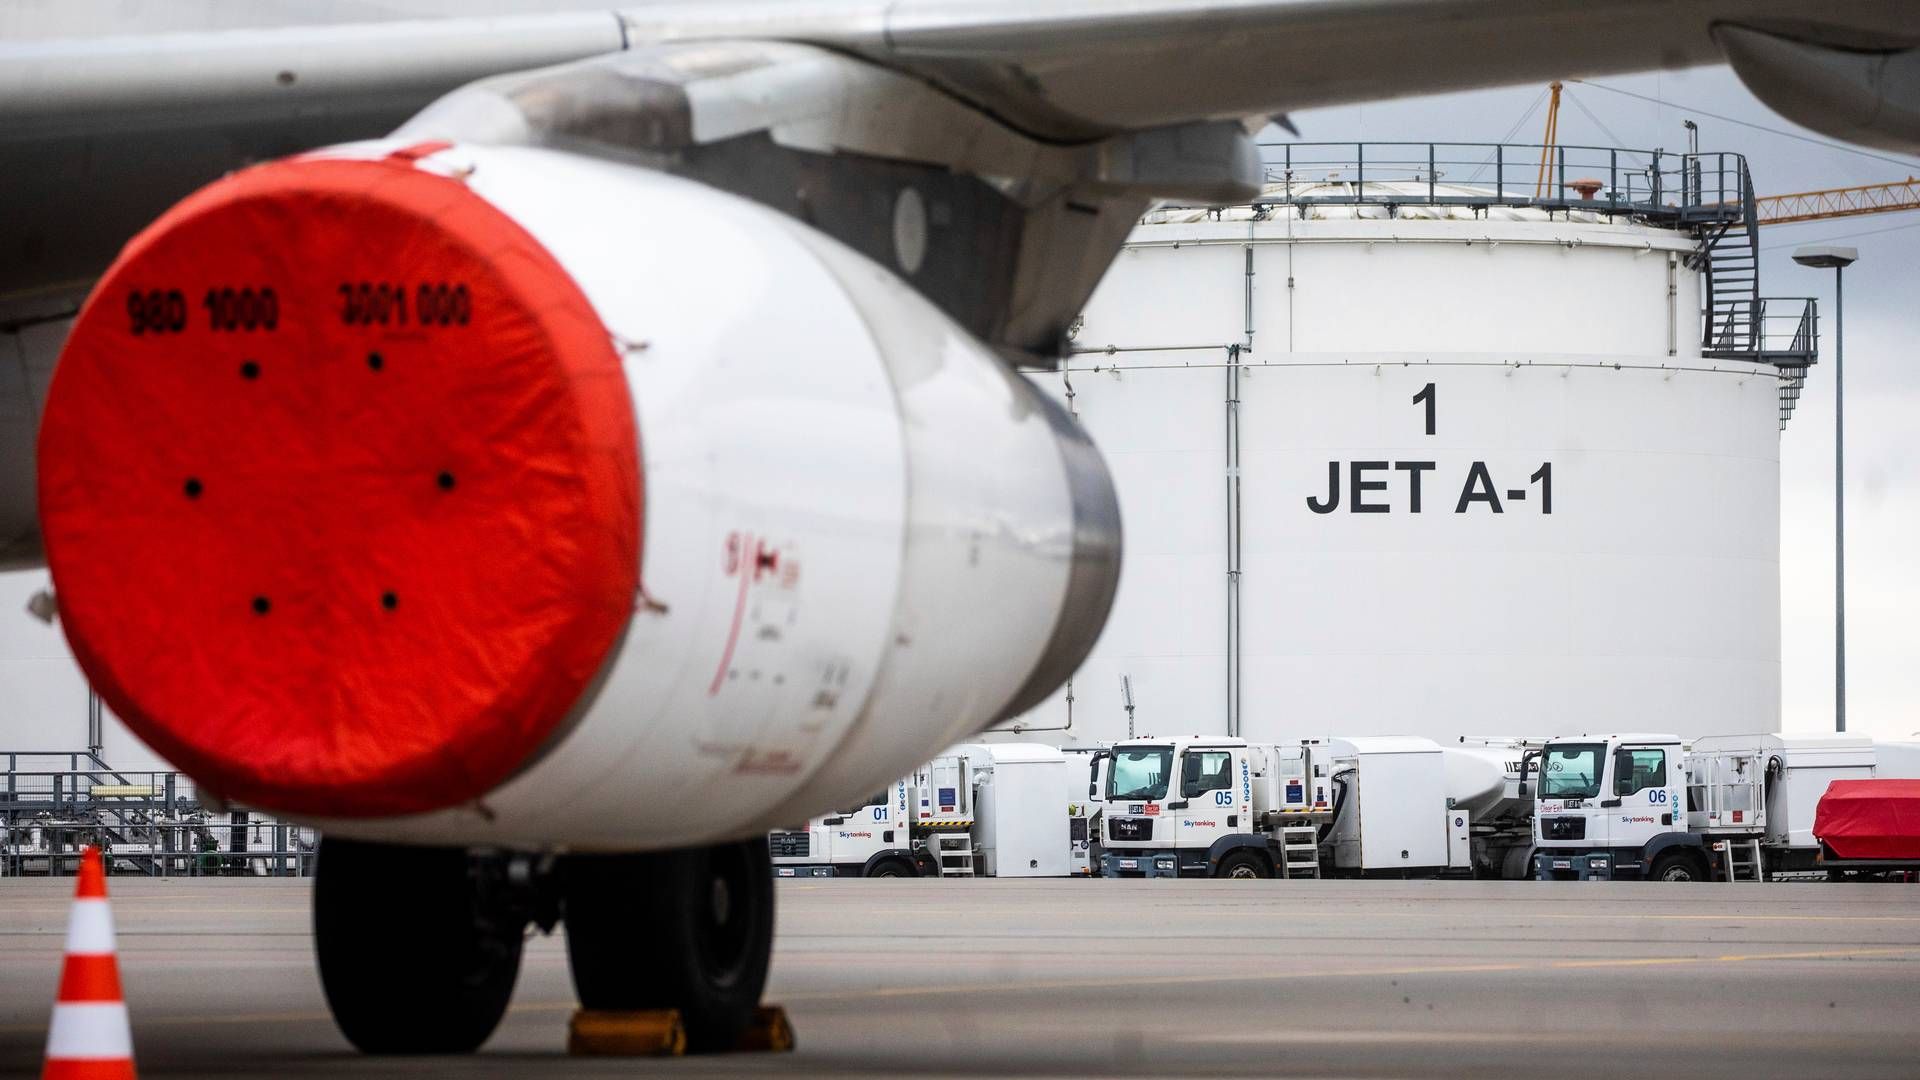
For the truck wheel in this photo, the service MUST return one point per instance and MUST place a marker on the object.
(1676, 866)
(412, 958)
(892, 868)
(1244, 865)
(689, 930)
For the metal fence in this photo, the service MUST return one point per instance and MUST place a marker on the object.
(1784, 329)
(152, 823)
(1686, 188)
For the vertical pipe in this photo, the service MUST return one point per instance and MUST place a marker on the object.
(1233, 539)
(1673, 304)
(1300, 211)
(95, 736)
(1839, 507)
(1247, 299)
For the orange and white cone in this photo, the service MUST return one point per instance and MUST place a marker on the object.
(90, 1038)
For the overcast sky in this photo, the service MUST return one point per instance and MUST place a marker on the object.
(42, 700)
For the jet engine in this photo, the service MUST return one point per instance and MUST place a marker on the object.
(496, 495)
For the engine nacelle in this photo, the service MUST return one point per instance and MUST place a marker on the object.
(497, 495)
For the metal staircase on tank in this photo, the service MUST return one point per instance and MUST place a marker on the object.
(1736, 324)
(1729, 259)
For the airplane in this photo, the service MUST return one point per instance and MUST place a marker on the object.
(546, 449)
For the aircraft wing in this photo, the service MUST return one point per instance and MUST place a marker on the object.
(1060, 119)
(1065, 69)
(1077, 70)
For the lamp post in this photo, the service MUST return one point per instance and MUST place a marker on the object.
(1822, 256)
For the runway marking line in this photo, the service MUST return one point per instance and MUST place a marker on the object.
(1623, 917)
(1284, 976)
(317, 1016)
(290, 1017)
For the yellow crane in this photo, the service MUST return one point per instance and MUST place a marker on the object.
(1770, 209)
(1548, 141)
(1838, 202)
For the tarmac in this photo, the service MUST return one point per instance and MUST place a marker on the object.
(1059, 978)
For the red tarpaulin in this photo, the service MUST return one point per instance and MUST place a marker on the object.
(1870, 819)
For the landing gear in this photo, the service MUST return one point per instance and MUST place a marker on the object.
(689, 930)
(414, 958)
(419, 947)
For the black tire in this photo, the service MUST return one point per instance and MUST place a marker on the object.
(892, 867)
(1243, 865)
(689, 930)
(412, 961)
(1676, 866)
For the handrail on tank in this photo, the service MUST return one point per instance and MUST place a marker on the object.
(1786, 331)
(1657, 184)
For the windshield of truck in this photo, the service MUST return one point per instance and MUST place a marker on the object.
(1571, 771)
(1140, 773)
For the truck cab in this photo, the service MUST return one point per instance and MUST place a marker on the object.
(1183, 807)
(916, 827)
(1614, 806)
(872, 839)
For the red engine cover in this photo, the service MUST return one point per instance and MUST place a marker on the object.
(1870, 819)
(340, 489)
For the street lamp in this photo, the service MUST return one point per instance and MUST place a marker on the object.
(1822, 256)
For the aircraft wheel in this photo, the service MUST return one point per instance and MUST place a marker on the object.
(689, 930)
(412, 958)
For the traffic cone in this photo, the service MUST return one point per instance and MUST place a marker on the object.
(90, 1038)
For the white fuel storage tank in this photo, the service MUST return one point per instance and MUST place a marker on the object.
(1436, 449)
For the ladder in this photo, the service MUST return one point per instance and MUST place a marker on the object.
(1743, 862)
(952, 852)
(1299, 851)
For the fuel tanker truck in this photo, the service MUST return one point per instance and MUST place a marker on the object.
(1388, 806)
(1725, 807)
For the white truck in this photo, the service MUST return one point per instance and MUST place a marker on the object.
(1210, 806)
(920, 826)
(1728, 807)
(980, 809)
(1086, 779)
